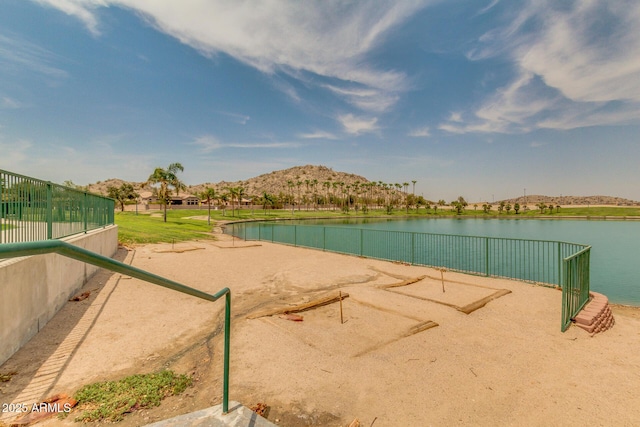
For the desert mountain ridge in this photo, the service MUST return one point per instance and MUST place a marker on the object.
(304, 178)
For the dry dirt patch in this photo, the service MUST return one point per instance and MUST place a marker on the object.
(504, 364)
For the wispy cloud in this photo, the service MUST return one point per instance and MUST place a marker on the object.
(209, 143)
(241, 119)
(579, 67)
(17, 55)
(358, 125)
(323, 38)
(10, 103)
(421, 132)
(317, 135)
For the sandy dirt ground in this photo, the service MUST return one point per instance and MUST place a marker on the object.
(400, 356)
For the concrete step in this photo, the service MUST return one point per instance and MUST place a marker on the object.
(238, 416)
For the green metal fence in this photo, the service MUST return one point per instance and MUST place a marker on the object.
(574, 293)
(537, 261)
(32, 209)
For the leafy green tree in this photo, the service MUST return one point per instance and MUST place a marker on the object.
(516, 208)
(167, 179)
(122, 194)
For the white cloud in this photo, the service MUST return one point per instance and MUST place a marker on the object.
(324, 38)
(368, 98)
(421, 132)
(81, 9)
(455, 117)
(576, 66)
(358, 125)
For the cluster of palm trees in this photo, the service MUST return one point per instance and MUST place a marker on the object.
(310, 193)
(307, 194)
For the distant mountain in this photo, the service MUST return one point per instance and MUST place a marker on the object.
(277, 181)
(534, 199)
(272, 183)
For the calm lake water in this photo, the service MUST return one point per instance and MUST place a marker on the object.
(615, 252)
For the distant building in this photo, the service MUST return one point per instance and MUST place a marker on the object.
(148, 197)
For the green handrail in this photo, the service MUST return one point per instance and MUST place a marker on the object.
(13, 250)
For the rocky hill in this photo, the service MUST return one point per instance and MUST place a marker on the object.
(277, 181)
(272, 183)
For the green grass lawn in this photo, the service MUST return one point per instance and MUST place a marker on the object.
(144, 228)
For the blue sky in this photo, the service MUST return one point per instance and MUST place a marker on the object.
(475, 98)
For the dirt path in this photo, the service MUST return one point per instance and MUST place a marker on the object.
(401, 355)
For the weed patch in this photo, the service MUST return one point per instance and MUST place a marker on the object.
(111, 400)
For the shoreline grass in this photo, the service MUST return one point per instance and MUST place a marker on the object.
(148, 227)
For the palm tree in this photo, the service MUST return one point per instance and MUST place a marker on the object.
(267, 200)
(236, 193)
(167, 178)
(208, 196)
(298, 184)
(233, 194)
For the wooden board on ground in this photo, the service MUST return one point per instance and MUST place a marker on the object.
(318, 302)
(457, 295)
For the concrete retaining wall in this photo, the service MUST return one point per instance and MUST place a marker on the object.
(34, 288)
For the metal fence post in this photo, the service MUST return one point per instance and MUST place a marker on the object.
(486, 256)
(85, 210)
(324, 238)
(413, 240)
(560, 265)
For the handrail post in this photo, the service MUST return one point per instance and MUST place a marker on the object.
(227, 336)
(83, 255)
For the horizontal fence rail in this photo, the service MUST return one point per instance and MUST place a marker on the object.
(13, 250)
(32, 209)
(536, 261)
